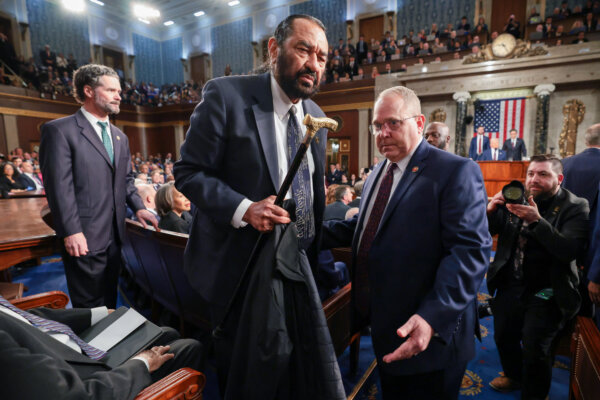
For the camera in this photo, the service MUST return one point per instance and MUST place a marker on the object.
(514, 193)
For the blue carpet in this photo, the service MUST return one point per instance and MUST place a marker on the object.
(482, 369)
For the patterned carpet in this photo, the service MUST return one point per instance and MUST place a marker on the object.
(364, 385)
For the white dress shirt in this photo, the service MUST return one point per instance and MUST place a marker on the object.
(94, 122)
(396, 179)
(35, 179)
(281, 108)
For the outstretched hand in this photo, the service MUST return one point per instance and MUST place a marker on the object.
(420, 334)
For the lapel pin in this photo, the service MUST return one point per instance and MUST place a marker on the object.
(415, 169)
(118, 138)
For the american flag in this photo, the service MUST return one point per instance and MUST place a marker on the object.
(500, 116)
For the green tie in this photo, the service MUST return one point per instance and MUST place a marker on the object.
(106, 141)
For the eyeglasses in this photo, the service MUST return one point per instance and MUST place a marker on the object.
(392, 125)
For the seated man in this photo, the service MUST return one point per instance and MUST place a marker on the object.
(492, 154)
(42, 357)
(147, 194)
(534, 276)
(337, 209)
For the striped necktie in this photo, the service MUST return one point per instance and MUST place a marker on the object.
(362, 294)
(56, 327)
(305, 221)
(106, 141)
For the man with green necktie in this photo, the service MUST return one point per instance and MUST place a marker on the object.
(88, 180)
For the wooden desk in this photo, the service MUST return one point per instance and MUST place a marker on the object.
(29, 193)
(23, 233)
(496, 174)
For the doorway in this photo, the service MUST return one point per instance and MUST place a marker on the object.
(371, 28)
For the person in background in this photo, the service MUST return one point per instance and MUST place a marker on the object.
(173, 208)
(9, 180)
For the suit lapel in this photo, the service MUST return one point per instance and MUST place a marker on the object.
(414, 168)
(116, 138)
(90, 134)
(263, 115)
(370, 184)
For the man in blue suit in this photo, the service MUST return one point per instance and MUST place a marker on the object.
(235, 158)
(594, 256)
(493, 153)
(582, 177)
(420, 251)
(514, 147)
(479, 144)
(582, 171)
(86, 166)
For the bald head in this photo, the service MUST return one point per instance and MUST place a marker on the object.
(412, 103)
(438, 134)
(147, 193)
(592, 136)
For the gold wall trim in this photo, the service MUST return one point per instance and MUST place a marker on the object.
(38, 99)
(346, 107)
(48, 115)
(30, 113)
(356, 89)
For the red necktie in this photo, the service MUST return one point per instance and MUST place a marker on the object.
(495, 155)
(479, 141)
(361, 279)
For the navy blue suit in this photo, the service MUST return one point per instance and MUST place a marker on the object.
(582, 174)
(230, 154)
(487, 156)
(428, 257)
(473, 147)
(515, 153)
(594, 271)
(87, 193)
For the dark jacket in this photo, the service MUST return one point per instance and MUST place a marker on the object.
(175, 223)
(281, 323)
(335, 210)
(556, 240)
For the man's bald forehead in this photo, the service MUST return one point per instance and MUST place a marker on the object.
(412, 104)
(438, 126)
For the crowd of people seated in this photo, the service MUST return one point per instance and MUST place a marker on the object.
(563, 21)
(350, 62)
(54, 75)
(19, 172)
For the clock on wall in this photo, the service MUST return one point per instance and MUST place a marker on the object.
(504, 45)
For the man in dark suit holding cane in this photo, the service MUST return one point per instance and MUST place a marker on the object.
(235, 158)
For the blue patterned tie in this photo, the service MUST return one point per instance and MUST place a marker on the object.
(305, 221)
(106, 141)
(57, 327)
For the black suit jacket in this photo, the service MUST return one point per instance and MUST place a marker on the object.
(175, 223)
(582, 175)
(559, 237)
(229, 154)
(85, 191)
(517, 153)
(37, 366)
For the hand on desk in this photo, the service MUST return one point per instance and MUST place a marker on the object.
(420, 333)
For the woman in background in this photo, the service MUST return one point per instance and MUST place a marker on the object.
(9, 179)
(173, 208)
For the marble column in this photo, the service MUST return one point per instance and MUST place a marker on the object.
(460, 143)
(540, 142)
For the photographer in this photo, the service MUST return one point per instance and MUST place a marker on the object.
(533, 276)
(513, 27)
